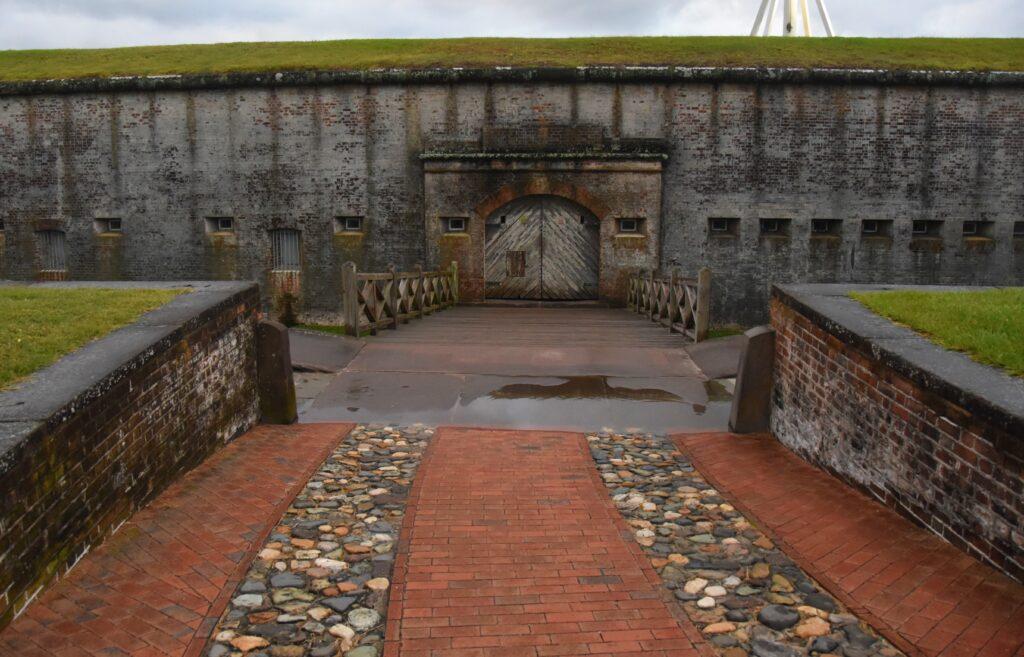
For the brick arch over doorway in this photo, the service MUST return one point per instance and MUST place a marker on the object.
(610, 189)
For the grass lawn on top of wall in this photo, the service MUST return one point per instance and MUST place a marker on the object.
(987, 325)
(39, 325)
(363, 54)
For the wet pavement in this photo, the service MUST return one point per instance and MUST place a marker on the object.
(568, 368)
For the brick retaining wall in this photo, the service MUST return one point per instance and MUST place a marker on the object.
(928, 432)
(86, 442)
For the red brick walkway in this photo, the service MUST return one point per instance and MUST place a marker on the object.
(164, 577)
(511, 547)
(925, 595)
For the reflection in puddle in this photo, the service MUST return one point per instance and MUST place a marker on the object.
(582, 387)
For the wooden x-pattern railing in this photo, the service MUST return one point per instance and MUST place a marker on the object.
(374, 301)
(681, 304)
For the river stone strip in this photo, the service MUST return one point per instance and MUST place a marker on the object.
(319, 587)
(743, 593)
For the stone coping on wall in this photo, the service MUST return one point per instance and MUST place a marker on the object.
(455, 74)
(988, 393)
(53, 394)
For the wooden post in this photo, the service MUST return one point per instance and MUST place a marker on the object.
(455, 284)
(393, 296)
(673, 300)
(650, 297)
(350, 298)
(703, 319)
(417, 300)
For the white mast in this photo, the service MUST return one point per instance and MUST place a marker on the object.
(794, 12)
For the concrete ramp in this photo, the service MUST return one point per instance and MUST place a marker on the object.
(571, 368)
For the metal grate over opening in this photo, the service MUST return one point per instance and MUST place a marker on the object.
(284, 244)
(52, 243)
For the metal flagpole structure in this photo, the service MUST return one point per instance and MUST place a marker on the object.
(794, 11)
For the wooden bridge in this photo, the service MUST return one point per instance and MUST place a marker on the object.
(386, 300)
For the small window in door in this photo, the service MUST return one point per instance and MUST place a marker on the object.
(515, 264)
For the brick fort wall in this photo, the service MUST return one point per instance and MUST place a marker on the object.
(845, 408)
(69, 480)
(302, 151)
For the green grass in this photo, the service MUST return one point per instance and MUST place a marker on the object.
(360, 54)
(987, 325)
(39, 325)
(726, 331)
(323, 328)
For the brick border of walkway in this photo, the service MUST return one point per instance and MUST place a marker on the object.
(791, 550)
(399, 573)
(217, 607)
(795, 552)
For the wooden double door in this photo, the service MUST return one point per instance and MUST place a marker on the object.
(542, 247)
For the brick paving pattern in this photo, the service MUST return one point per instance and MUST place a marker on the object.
(157, 586)
(922, 593)
(512, 548)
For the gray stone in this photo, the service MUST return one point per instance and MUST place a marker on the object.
(252, 586)
(766, 648)
(248, 601)
(274, 368)
(218, 650)
(362, 651)
(858, 638)
(363, 619)
(751, 402)
(286, 579)
(778, 617)
(339, 604)
(820, 601)
(824, 644)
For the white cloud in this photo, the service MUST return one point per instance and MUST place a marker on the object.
(95, 23)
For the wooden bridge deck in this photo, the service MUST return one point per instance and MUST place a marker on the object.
(537, 327)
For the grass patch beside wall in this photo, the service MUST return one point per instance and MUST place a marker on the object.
(362, 54)
(988, 325)
(39, 325)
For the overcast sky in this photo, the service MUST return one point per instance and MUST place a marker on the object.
(94, 23)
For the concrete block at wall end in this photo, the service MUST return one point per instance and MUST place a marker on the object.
(274, 367)
(751, 402)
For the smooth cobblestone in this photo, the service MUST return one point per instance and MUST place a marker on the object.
(320, 585)
(745, 595)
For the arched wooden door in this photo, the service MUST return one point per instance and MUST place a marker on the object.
(542, 247)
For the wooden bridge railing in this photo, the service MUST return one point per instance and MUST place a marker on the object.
(681, 304)
(385, 300)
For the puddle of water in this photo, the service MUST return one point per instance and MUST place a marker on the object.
(582, 387)
(716, 391)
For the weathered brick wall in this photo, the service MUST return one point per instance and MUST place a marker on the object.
(164, 160)
(846, 410)
(68, 482)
